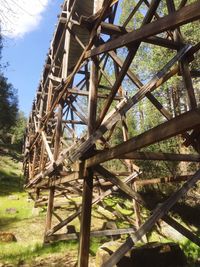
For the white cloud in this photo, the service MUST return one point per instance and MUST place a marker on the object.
(19, 17)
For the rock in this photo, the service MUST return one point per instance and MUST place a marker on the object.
(13, 197)
(36, 211)
(104, 252)
(71, 229)
(157, 255)
(7, 237)
(105, 213)
(111, 226)
(149, 255)
(11, 210)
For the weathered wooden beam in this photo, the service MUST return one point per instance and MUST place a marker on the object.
(49, 209)
(181, 229)
(72, 236)
(184, 15)
(188, 83)
(73, 122)
(50, 182)
(172, 179)
(178, 125)
(160, 156)
(86, 93)
(108, 28)
(47, 147)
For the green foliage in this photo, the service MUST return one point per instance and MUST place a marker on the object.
(18, 130)
(191, 250)
(8, 101)
(9, 105)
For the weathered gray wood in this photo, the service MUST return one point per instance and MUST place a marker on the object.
(100, 233)
(161, 156)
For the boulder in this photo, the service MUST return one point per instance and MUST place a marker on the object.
(104, 252)
(11, 210)
(149, 255)
(36, 211)
(170, 232)
(110, 225)
(158, 255)
(13, 197)
(7, 237)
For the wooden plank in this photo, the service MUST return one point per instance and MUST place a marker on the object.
(178, 125)
(160, 156)
(86, 93)
(50, 182)
(188, 83)
(181, 229)
(84, 243)
(184, 15)
(47, 147)
(172, 179)
(108, 28)
(117, 84)
(49, 209)
(73, 236)
(100, 233)
(92, 100)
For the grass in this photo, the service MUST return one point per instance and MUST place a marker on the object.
(16, 216)
(191, 251)
(13, 201)
(16, 253)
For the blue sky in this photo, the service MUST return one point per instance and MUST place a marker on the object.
(26, 54)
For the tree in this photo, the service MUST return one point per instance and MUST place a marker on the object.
(18, 130)
(8, 101)
(8, 105)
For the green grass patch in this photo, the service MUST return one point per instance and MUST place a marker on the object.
(191, 250)
(15, 252)
(96, 242)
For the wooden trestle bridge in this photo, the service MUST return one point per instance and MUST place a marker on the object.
(81, 101)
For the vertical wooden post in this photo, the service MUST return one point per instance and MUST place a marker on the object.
(84, 244)
(131, 165)
(49, 209)
(56, 153)
(88, 178)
